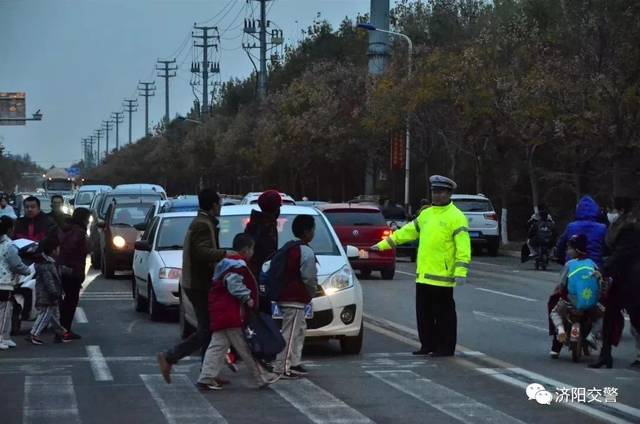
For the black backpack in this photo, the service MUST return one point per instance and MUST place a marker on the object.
(544, 232)
(272, 281)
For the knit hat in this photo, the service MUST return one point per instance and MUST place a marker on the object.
(270, 201)
(579, 243)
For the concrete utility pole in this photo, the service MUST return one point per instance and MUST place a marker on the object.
(98, 134)
(85, 147)
(147, 89)
(166, 72)
(117, 119)
(262, 77)
(107, 126)
(130, 106)
(92, 156)
(207, 67)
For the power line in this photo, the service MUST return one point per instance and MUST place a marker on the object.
(230, 3)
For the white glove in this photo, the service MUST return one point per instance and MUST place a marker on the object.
(461, 281)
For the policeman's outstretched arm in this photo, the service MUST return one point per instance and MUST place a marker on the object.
(406, 234)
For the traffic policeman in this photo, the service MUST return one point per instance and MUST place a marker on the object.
(444, 254)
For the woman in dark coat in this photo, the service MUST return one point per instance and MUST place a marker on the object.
(623, 266)
(73, 254)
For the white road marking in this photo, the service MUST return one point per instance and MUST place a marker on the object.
(49, 399)
(87, 282)
(510, 320)
(406, 273)
(498, 374)
(80, 317)
(317, 404)
(51, 359)
(180, 402)
(99, 364)
(528, 299)
(450, 402)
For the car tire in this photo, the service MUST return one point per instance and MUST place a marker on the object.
(352, 345)
(156, 310)
(493, 247)
(140, 303)
(365, 273)
(107, 267)
(186, 329)
(388, 273)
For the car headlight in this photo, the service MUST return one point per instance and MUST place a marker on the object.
(119, 242)
(90, 219)
(170, 273)
(339, 280)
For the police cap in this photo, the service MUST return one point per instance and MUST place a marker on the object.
(442, 182)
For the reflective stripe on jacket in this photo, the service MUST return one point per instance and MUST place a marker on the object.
(444, 250)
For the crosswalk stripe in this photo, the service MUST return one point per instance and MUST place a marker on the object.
(450, 402)
(317, 404)
(180, 402)
(49, 399)
(99, 364)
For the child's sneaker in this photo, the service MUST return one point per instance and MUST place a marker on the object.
(36, 340)
(9, 343)
(289, 376)
(60, 338)
(298, 370)
(208, 387)
(3, 346)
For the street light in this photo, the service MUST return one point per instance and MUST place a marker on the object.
(407, 167)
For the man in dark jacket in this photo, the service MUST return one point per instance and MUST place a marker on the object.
(34, 225)
(200, 255)
(586, 222)
(56, 214)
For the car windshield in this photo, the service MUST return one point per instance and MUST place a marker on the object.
(130, 215)
(84, 197)
(473, 205)
(322, 244)
(124, 198)
(172, 231)
(355, 218)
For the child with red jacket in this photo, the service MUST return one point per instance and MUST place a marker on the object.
(233, 294)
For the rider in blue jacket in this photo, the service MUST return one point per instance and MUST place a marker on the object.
(587, 223)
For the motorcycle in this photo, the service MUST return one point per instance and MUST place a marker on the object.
(578, 328)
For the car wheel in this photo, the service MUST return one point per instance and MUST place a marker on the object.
(139, 302)
(352, 345)
(107, 267)
(156, 311)
(493, 247)
(186, 329)
(387, 274)
(365, 273)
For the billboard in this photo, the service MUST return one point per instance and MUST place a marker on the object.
(12, 108)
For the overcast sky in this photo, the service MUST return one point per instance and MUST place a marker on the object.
(78, 59)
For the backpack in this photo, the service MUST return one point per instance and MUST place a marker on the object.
(544, 232)
(272, 282)
(263, 336)
(582, 285)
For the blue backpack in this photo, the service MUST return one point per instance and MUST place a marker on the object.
(583, 286)
(272, 281)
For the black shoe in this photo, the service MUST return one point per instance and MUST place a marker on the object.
(422, 352)
(635, 364)
(299, 370)
(608, 362)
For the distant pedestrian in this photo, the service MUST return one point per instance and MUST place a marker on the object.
(74, 248)
(49, 293)
(57, 215)
(586, 222)
(6, 209)
(233, 296)
(301, 282)
(200, 255)
(10, 267)
(444, 254)
(35, 225)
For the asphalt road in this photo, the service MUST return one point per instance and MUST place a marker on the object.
(110, 376)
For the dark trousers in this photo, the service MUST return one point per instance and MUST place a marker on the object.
(609, 326)
(201, 338)
(437, 319)
(71, 286)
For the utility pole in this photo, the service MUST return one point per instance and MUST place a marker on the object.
(92, 141)
(84, 151)
(130, 106)
(98, 134)
(166, 72)
(117, 119)
(107, 126)
(147, 89)
(260, 27)
(208, 41)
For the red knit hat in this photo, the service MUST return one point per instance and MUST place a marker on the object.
(270, 201)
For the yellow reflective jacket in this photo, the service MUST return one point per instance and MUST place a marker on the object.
(444, 250)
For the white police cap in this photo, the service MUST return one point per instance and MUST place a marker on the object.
(442, 182)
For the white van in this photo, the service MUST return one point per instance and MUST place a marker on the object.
(154, 187)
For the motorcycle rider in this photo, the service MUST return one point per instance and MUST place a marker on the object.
(541, 231)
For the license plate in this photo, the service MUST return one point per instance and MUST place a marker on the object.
(474, 233)
(276, 312)
(363, 254)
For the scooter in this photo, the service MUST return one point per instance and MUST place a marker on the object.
(578, 327)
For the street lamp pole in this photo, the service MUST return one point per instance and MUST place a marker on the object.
(407, 143)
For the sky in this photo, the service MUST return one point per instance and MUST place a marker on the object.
(78, 59)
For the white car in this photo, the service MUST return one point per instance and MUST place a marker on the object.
(252, 199)
(143, 187)
(157, 263)
(85, 194)
(483, 220)
(337, 310)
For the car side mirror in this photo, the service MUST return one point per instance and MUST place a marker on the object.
(352, 252)
(143, 245)
(101, 224)
(140, 227)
